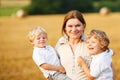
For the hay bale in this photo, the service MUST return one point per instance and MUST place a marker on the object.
(21, 13)
(104, 11)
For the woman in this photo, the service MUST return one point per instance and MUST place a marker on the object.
(73, 45)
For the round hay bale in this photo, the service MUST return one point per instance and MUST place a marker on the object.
(21, 13)
(104, 11)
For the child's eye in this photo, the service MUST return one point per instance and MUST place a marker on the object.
(93, 42)
(38, 38)
(44, 37)
(87, 42)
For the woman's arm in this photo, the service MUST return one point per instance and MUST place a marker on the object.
(82, 63)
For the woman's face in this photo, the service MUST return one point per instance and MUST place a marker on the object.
(74, 28)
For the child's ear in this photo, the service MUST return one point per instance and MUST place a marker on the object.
(32, 43)
(102, 46)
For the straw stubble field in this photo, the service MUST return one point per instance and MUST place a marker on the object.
(16, 52)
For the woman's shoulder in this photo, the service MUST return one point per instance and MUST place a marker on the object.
(61, 41)
(62, 47)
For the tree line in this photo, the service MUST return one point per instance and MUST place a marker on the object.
(63, 6)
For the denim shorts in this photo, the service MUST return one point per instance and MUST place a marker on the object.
(59, 76)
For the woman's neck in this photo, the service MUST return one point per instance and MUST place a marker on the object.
(73, 44)
(74, 41)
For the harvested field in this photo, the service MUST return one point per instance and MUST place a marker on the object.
(16, 52)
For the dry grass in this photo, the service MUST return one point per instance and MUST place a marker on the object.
(16, 52)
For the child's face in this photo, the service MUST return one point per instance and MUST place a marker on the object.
(93, 46)
(40, 40)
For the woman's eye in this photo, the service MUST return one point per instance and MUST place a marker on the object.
(78, 25)
(69, 25)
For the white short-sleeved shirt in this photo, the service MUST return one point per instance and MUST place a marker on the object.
(69, 60)
(100, 66)
(45, 55)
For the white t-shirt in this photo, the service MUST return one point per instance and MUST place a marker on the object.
(45, 55)
(100, 66)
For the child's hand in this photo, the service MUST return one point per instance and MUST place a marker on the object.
(62, 69)
(80, 60)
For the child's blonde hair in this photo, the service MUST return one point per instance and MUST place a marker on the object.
(36, 31)
(101, 37)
